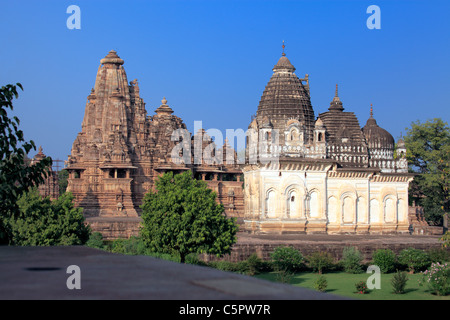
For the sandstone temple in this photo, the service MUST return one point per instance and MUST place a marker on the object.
(121, 150)
(303, 173)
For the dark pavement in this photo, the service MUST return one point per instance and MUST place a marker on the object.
(40, 273)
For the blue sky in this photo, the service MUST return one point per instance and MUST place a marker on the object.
(212, 59)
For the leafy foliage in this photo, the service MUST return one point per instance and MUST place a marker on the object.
(398, 282)
(16, 176)
(238, 267)
(438, 255)
(351, 260)
(287, 259)
(445, 239)
(437, 278)
(321, 283)
(320, 261)
(42, 222)
(428, 154)
(414, 259)
(96, 241)
(182, 216)
(385, 259)
(361, 287)
(131, 246)
(254, 264)
(63, 175)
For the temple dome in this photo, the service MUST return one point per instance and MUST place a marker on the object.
(377, 137)
(112, 58)
(286, 97)
(284, 65)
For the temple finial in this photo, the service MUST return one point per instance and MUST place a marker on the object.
(371, 110)
(283, 46)
(336, 93)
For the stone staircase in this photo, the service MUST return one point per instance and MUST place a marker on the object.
(418, 225)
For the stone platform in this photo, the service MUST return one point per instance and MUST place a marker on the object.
(264, 244)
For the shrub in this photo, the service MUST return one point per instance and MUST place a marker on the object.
(320, 261)
(132, 246)
(287, 259)
(351, 260)
(414, 259)
(321, 284)
(385, 259)
(284, 276)
(398, 282)
(223, 265)
(193, 258)
(237, 267)
(445, 239)
(254, 265)
(164, 256)
(437, 277)
(96, 241)
(438, 255)
(361, 287)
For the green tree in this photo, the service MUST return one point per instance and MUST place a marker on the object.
(63, 175)
(182, 216)
(428, 154)
(42, 222)
(16, 175)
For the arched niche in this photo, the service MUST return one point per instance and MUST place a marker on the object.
(270, 204)
(390, 209)
(361, 210)
(374, 211)
(332, 207)
(314, 204)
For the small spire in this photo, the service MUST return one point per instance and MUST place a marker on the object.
(371, 110)
(336, 103)
(164, 109)
(283, 46)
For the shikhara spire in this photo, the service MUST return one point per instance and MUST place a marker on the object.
(336, 103)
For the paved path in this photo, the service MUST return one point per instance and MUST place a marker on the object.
(41, 273)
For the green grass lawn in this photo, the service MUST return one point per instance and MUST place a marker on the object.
(343, 284)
